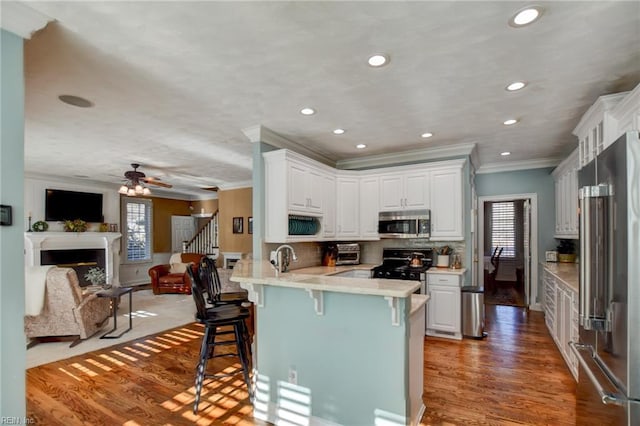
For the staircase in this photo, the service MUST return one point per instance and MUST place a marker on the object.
(206, 239)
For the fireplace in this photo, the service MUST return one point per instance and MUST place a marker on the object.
(78, 250)
(81, 260)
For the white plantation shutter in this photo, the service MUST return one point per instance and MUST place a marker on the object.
(503, 228)
(136, 221)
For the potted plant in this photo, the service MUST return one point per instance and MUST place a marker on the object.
(77, 225)
(97, 277)
(566, 251)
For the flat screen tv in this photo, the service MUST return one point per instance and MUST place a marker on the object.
(70, 205)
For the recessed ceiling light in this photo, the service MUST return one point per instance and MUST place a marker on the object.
(510, 121)
(504, 154)
(307, 111)
(361, 146)
(378, 60)
(338, 131)
(516, 85)
(426, 135)
(526, 16)
(76, 101)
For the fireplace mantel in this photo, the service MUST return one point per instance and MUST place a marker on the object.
(36, 242)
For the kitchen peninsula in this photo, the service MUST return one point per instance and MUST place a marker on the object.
(335, 350)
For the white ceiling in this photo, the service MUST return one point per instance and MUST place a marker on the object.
(174, 83)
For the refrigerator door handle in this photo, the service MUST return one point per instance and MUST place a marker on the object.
(585, 252)
(615, 398)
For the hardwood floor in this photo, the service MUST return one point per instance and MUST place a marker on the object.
(515, 376)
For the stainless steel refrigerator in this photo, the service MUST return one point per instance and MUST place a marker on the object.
(608, 391)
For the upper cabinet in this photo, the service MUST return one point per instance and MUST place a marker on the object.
(566, 191)
(309, 201)
(369, 205)
(348, 207)
(305, 185)
(298, 194)
(446, 201)
(605, 121)
(404, 191)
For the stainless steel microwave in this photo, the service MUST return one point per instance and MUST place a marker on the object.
(405, 224)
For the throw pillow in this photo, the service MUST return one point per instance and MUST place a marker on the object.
(179, 268)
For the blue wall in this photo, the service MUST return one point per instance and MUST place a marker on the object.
(12, 339)
(351, 362)
(537, 181)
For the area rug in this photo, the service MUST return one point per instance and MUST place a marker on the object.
(504, 296)
(151, 314)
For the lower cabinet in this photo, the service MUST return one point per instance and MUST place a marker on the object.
(561, 317)
(443, 307)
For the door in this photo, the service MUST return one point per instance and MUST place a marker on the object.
(446, 204)
(526, 238)
(391, 192)
(183, 228)
(369, 207)
(347, 210)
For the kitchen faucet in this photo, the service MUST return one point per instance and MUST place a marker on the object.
(280, 257)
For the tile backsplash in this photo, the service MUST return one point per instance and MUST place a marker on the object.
(310, 254)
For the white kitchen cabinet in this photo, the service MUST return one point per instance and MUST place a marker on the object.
(443, 308)
(561, 316)
(566, 196)
(348, 207)
(598, 127)
(329, 207)
(294, 185)
(446, 202)
(305, 185)
(408, 190)
(369, 203)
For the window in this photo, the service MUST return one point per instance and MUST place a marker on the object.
(503, 228)
(137, 229)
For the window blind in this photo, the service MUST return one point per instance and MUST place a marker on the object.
(503, 227)
(138, 220)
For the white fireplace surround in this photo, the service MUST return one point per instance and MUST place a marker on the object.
(36, 242)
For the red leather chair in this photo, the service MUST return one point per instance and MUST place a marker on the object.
(163, 281)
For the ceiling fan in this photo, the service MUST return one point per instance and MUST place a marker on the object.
(135, 179)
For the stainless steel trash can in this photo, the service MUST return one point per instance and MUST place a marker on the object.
(473, 312)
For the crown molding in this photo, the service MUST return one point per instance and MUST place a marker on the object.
(237, 185)
(511, 166)
(22, 20)
(260, 133)
(596, 111)
(406, 157)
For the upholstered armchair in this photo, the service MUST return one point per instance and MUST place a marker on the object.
(64, 309)
(173, 278)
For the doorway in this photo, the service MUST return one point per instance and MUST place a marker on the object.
(507, 233)
(183, 228)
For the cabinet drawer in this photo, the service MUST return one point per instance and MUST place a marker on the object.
(443, 279)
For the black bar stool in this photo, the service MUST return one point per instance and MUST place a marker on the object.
(210, 282)
(212, 318)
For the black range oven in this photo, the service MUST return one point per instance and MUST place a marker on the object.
(401, 264)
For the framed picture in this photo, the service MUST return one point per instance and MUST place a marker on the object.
(237, 225)
(5, 215)
(250, 224)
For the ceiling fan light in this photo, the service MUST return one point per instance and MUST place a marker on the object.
(146, 191)
(131, 192)
(139, 189)
(123, 190)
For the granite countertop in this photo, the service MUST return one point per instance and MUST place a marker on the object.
(330, 270)
(569, 273)
(417, 301)
(449, 271)
(319, 278)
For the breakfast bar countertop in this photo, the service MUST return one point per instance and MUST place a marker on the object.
(262, 272)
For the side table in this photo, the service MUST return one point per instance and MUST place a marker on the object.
(114, 294)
